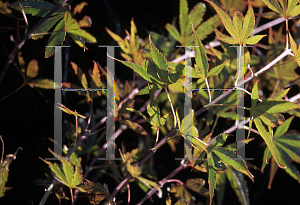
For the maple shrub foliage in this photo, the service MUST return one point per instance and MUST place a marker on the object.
(159, 67)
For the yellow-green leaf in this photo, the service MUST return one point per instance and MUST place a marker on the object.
(295, 50)
(225, 20)
(42, 83)
(32, 68)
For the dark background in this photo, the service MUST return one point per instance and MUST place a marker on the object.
(27, 116)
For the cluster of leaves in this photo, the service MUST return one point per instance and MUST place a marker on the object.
(4, 168)
(64, 21)
(211, 68)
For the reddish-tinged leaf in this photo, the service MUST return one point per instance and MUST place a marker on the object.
(98, 191)
(85, 22)
(96, 81)
(78, 8)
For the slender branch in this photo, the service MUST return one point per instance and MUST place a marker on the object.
(281, 56)
(13, 92)
(162, 183)
(206, 82)
(183, 166)
(174, 115)
(13, 54)
(217, 43)
(151, 152)
(286, 34)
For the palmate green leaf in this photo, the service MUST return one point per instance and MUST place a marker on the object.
(218, 165)
(217, 69)
(160, 62)
(268, 139)
(56, 39)
(207, 27)
(141, 70)
(218, 142)
(274, 106)
(295, 50)
(253, 39)
(283, 8)
(239, 185)
(130, 45)
(173, 31)
(268, 111)
(183, 14)
(231, 158)
(220, 188)
(72, 27)
(153, 111)
(281, 94)
(211, 176)
(190, 132)
(35, 8)
(46, 26)
(282, 129)
(67, 175)
(195, 17)
(225, 20)
(177, 87)
(201, 66)
(200, 56)
(239, 28)
(287, 146)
